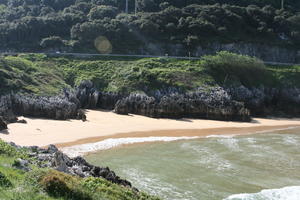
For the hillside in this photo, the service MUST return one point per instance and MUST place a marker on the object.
(159, 27)
(44, 183)
(39, 74)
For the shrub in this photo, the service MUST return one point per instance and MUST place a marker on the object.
(52, 42)
(234, 69)
(7, 149)
(4, 182)
(58, 184)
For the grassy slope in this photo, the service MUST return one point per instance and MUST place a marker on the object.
(47, 76)
(47, 184)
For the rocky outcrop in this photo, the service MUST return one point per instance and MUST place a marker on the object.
(3, 124)
(269, 101)
(78, 166)
(229, 104)
(89, 97)
(214, 104)
(6, 109)
(60, 107)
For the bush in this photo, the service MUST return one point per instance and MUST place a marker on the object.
(52, 42)
(233, 69)
(6, 149)
(4, 182)
(58, 184)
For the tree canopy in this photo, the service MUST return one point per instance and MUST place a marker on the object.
(32, 25)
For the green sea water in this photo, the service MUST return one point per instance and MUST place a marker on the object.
(212, 168)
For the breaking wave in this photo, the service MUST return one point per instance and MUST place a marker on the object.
(286, 193)
(79, 150)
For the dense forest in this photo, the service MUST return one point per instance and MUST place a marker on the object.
(103, 25)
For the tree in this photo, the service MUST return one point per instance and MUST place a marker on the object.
(52, 42)
(101, 12)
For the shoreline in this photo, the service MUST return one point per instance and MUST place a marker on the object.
(102, 125)
(201, 133)
(93, 145)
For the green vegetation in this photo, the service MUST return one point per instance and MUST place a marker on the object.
(73, 25)
(48, 184)
(33, 77)
(36, 73)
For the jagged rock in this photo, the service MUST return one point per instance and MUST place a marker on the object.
(89, 97)
(214, 104)
(3, 125)
(52, 149)
(44, 157)
(58, 107)
(59, 162)
(52, 157)
(14, 145)
(81, 161)
(269, 101)
(81, 115)
(6, 109)
(22, 121)
(21, 164)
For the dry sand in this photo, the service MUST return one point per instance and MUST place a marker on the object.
(102, 125)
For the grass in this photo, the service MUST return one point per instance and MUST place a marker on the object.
(42, 75)
(49, 184)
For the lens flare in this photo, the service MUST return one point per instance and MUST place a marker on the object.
(103, 45)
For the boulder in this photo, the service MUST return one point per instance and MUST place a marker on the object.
(52, 149)
(3, 124)
(21, 164)
(59, 162)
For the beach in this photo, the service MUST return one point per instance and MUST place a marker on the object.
(101, 125)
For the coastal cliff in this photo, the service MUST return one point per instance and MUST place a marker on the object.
(229, 104)
(226, 86)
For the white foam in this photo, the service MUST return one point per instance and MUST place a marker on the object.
(286, 193)
(79, 150)
(220, 136)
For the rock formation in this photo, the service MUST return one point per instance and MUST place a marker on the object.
(214, 104)
(234, 104)
(58, 107)
(78, 166)
(3, 124)
(269, 101)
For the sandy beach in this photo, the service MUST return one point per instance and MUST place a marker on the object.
(103, 125)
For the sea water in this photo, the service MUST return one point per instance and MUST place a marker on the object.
(263, 166)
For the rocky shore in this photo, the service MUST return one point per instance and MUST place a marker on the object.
(78, 166)
(228, 104)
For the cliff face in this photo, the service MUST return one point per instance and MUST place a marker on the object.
(264, 52)
(232, 104)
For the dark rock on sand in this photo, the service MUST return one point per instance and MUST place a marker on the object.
(3, 124)
(91, 98)
(269, 101)
(6, 109)
(213, 104)
(21, 121)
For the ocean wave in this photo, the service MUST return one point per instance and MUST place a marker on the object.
(286, 193)
(79, 150)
